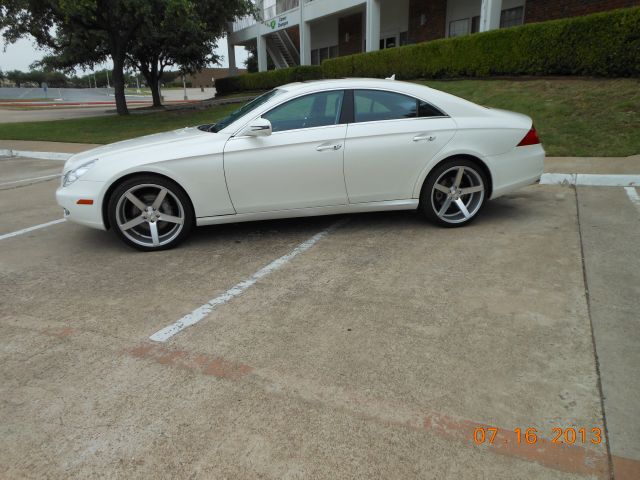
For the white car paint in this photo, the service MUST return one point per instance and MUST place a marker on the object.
(380, 165)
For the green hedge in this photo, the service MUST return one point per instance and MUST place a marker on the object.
(603, 44)
(267, 80)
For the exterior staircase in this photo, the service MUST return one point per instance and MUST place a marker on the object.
(282, 50)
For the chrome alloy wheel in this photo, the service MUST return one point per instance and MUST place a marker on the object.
(457, 194)
(150, 215)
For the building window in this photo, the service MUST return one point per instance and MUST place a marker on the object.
(388, 42)
(404, 38)
(511, 17)
(320, 54)
(475, 24)
(458, 28)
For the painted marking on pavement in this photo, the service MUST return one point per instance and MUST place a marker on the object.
(201, 312)
(7, 152)
(590, 180)
(633, 196)
(30, 229)
(33, 179)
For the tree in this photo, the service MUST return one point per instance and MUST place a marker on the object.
(16, 77)
(251, 63)
(150, 34)
(183, 34)
(81, 32)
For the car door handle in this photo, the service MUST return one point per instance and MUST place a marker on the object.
(321, 148)
(425, 136)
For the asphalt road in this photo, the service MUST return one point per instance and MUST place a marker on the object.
(62, 94)
(378, 353)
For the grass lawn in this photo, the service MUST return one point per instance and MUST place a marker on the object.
(112, 128)
(575, 117)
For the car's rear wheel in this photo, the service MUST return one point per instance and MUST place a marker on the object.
(454, 193)
(150, 213)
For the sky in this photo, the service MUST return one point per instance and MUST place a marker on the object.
(24, 52)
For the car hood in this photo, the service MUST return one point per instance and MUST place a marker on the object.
(131, 148)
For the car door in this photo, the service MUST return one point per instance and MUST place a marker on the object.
(392, 137)
(299, 165)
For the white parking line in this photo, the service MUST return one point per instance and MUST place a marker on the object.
(590, 180)
(31, 229)
(204, 310)
(33, 179)
(633, 196)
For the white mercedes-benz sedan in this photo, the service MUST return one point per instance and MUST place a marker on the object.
(311, 148)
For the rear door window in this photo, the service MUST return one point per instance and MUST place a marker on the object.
(378, 105)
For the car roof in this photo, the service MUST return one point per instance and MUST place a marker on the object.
(342, 83)
(452, 105)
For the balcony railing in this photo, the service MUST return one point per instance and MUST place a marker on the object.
(267, 9)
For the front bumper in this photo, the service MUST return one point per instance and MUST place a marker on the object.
(89, 215)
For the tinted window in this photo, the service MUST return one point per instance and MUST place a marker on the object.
(252, 105)
(315, 110)
(375, 105)
(427, 110)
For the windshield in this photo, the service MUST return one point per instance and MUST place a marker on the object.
(246, 108)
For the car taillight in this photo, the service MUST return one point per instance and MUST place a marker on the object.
(531, 138)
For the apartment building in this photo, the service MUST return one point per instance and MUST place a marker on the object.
(306, 32)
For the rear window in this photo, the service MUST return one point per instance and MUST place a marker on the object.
(377, 105)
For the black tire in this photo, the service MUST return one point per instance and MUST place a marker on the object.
(148, 231)
(433, 200)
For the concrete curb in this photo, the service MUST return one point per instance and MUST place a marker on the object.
(4, 152)
(591, 180)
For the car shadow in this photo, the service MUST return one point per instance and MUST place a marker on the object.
(500, 211)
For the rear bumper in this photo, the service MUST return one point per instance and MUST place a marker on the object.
(516, 169)
(88, 215)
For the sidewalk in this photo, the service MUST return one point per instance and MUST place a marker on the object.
(34, 146)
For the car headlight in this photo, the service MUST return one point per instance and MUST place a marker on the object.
(73, 175)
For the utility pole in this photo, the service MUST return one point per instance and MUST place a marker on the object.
(108, 86)
(95, 82)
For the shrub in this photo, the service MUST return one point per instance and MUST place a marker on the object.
(267, 80)
(603, 44)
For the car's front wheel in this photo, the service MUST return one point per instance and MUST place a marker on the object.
(454, 193)
(150, 212)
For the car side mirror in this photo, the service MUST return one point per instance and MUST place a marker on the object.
(260, 127)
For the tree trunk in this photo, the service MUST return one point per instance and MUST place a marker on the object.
(118, 83)
(155, 92)
(154, 84)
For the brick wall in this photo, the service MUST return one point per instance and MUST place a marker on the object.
(435, 12)
(351, 24)
(541, 10)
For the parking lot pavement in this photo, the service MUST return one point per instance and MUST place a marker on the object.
(612, 263)
(374, 354)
